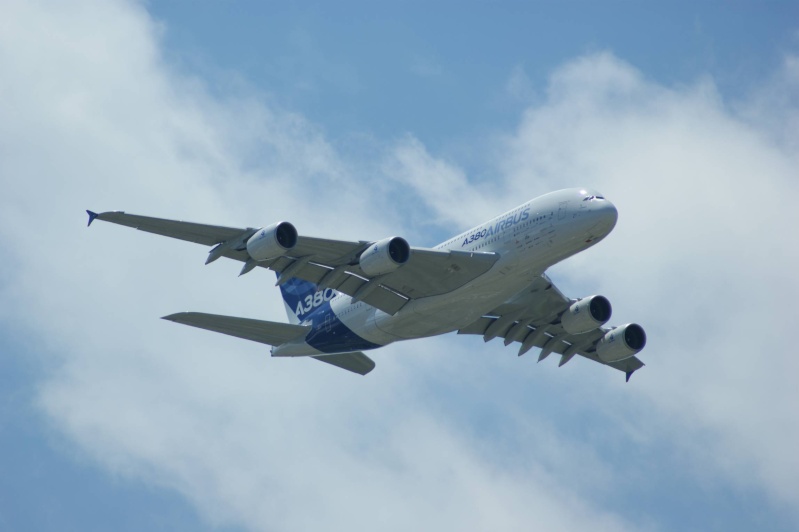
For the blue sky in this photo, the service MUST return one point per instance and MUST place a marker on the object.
(358, 122)
(441, 70)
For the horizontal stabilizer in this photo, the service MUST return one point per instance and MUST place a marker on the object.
(265, 332)
(355, 362)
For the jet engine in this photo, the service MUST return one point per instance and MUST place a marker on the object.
(621, 342)
(385, 256)
(272, 241)
(586, 315)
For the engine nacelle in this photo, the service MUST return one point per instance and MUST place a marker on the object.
(586, 315)
(272, 241)
(620, 343)
(385, 256)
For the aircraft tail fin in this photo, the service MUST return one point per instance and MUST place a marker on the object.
(295, 297)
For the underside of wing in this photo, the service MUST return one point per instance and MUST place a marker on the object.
(208, 235)
(328, 263)
(230, 242)
(432, 272)
(533, 319)
(427, 273)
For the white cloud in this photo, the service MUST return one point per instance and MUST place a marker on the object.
(437, 185)
(699, 255)
(773, 108)
(96, 119)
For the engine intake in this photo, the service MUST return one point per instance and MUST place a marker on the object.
(385, 256)
(621, 342)
(586, 315)
(272, 241)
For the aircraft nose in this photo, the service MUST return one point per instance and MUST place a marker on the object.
(609, 212)
(605, 216)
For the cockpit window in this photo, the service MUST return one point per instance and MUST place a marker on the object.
(592, 198)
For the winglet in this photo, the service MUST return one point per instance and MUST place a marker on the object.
(628, 375)
(92, 216)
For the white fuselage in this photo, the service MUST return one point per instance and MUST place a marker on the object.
(528, 239)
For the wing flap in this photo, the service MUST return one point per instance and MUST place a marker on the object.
(377, 295)
(477, 327)
(355, 362)
(265, 332)
(308, 271)
(541, 302)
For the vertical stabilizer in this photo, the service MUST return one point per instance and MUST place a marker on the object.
(299, 297)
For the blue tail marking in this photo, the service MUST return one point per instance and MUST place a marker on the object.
(300, 297)
(305, 302)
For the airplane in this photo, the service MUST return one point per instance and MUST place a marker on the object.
(346, 297)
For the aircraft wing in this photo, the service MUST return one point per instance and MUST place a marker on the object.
(329, 263)
(234, 239)
(428, 272)
(532, 318)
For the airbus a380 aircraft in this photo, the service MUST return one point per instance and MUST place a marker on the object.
(343, 297)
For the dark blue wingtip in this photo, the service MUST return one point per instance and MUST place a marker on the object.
(628, 375)
(92, 216)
